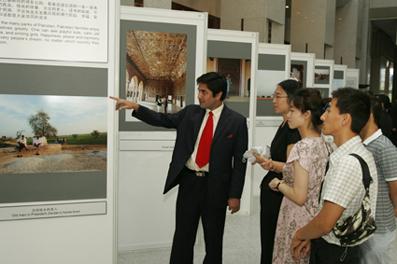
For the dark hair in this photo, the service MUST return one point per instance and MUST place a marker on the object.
(353, 102)
(385, 101)
(289, 86)
(215, 82)
(309, 99)
(381, 116)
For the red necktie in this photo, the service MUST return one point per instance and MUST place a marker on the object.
(204, 147)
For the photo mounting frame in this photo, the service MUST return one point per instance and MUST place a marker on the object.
(235, 49)
(323, 76)
(352, 77)
(305, 61)
(273, 67)
(149, 21)
(339, 79)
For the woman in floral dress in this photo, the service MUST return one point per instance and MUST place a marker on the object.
(302, 174)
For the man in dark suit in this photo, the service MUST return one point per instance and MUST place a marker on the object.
(206, 163)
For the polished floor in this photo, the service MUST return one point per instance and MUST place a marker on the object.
(241, 244)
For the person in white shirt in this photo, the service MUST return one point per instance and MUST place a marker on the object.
(343, 190)
(378, 247)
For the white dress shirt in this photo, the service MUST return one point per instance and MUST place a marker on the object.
(191, 163)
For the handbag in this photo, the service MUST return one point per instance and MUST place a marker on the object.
(358, 227)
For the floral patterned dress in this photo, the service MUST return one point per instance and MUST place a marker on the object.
(312, 155)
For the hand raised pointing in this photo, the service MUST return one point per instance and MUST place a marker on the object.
(124, 104)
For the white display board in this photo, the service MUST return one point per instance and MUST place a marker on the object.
(352, 78)
(339, 79)
(146, 217)
(268, 79)
(323, 76)
(66, 30)
(304, 62)
(229, 38)
(266, 128)
(64, 230)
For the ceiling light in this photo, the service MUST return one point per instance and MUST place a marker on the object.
(287, 6)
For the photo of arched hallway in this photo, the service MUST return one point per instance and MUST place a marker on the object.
(156, 70)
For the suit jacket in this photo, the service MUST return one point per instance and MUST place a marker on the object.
(226, 166)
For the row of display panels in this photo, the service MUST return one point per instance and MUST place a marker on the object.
(160, 53)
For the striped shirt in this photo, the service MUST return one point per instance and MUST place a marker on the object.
(385, 155)
(343, 184)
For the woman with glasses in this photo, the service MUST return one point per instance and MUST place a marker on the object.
(302, 173)
(282, 142)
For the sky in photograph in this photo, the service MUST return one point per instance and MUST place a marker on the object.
(68, 114)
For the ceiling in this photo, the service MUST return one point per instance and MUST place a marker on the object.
(158, 55)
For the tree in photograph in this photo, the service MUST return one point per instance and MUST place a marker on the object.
(41, 126)
(95, 133)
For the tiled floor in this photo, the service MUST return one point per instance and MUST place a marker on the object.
(241, 244)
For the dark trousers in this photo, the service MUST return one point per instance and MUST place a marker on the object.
(323, 252)
(270, 207)
(192, 203)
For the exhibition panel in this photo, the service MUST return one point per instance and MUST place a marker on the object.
(273, 67)
(161, 54)
(323, 76)
(57, 146)
(339, 79)
(234, 54)
(302, 68)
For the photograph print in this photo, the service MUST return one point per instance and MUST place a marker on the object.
(50, 134)
(298, 73)
(237, 73)
(156, 70)
(321, 75)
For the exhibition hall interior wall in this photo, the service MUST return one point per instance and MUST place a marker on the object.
(93, 186)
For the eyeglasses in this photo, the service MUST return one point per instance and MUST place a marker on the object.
(277, 96)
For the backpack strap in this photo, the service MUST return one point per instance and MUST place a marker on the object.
(367, 180)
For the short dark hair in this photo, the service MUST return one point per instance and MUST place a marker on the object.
(353, 102)
(381, 116)
(309, 99)
(289, 86)
(215, 82)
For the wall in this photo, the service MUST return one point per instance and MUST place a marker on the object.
(383, 3)
(212, 7)
(66, 240)
(346, 20)
(255, 15)
(308, 25)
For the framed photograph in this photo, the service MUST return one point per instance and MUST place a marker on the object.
(43, 138)
(302, 67)
(233, 54)
(352, 77)
(339, 79)
(323, 75)
(161, 55)
(55, 133)
(273, 67)
(298, 72)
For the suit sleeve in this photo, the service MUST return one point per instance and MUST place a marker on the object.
(159, 119)
(239, 167)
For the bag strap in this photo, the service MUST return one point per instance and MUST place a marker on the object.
(367, 180)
